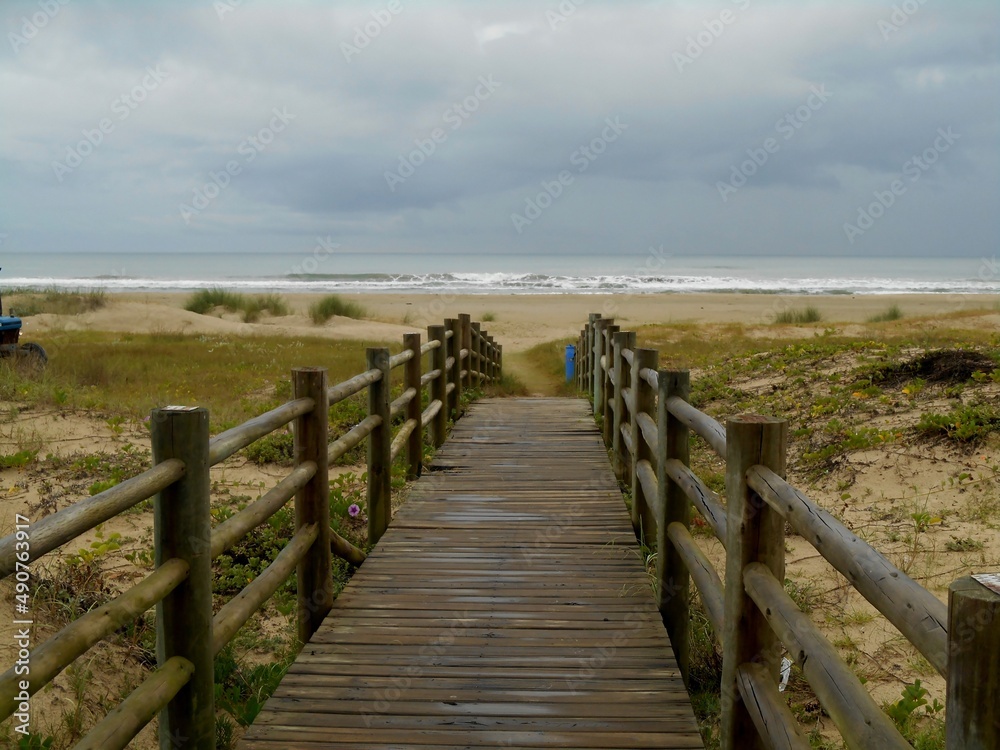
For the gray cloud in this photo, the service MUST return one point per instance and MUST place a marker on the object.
(689, 125)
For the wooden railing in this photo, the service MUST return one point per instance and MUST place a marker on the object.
(181, 690)
(646, 421)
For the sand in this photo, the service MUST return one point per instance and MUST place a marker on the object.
(520, 321)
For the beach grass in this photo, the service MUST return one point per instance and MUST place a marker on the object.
(206, 301)
(809, 314)
(127, 375)
(333, 305)
(892, 314)
(26, 303)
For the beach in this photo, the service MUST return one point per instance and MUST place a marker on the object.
(519, 322)
(929, 503)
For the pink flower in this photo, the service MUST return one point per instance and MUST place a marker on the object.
(354, 510)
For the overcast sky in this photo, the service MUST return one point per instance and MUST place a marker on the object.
(736, 127)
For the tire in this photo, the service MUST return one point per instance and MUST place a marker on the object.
(34, 354)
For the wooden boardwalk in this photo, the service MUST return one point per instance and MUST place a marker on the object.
(507, 606)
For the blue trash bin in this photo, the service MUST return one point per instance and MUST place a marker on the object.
(570, 362)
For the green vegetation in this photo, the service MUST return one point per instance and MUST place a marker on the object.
(808, 314)
(18, 460)
(322, 310)
(923, 729)
(271, 304)
(242, 688)
(206, 301)
(965, 424)
(488, 317)
(126, 375)
(966, 544)
(26, 303)
(893, 313)
(543, 368)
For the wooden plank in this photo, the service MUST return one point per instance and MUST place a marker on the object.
(506, 606)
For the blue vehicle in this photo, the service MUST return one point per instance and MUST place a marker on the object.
(10, 342)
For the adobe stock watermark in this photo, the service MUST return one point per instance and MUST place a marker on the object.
(915, 167)
(122, 107)
(899, 17)
(454, 117)
(786, 127)
(561, 14)
(324, 249)
(32, 27)
(581, 158)
(370, 30)
(249, 148)
(225, 7)
(714, 28)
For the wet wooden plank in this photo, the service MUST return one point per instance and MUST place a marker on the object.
(507, 606)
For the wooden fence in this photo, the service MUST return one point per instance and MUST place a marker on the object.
(646, 423)
(181, 690)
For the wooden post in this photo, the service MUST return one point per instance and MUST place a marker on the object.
(581, 359)
(466, 322)
(411, 379)
(672, 578)
(755, 533)
(439, 386)
(314, 575)
(973, 702)
(182, 529)
(577, 358)
(645, 402)
(621, 459)
(455, 376)
(475, 347)
(607, 423)
(598, 350)
(587, 385)
(490, 374)
(379, 449)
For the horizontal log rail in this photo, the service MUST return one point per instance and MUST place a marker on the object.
(914, 610)
(235, 613)
(700, 423)
(647, 420)
(703, 574)
(770, 714)
(180, 585)
(708, 503)
(348, 388)
(125, 721)
(236, 527)
(53, 531)
(397, 360)
(431, 411)
(62, 649)
(399, 442)
(353, 437)
(860, 721)
(229, 442)
(399, 405)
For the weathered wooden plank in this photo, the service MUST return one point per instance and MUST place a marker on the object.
(506, 606)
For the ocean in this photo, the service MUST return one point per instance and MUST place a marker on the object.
(326, 270)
